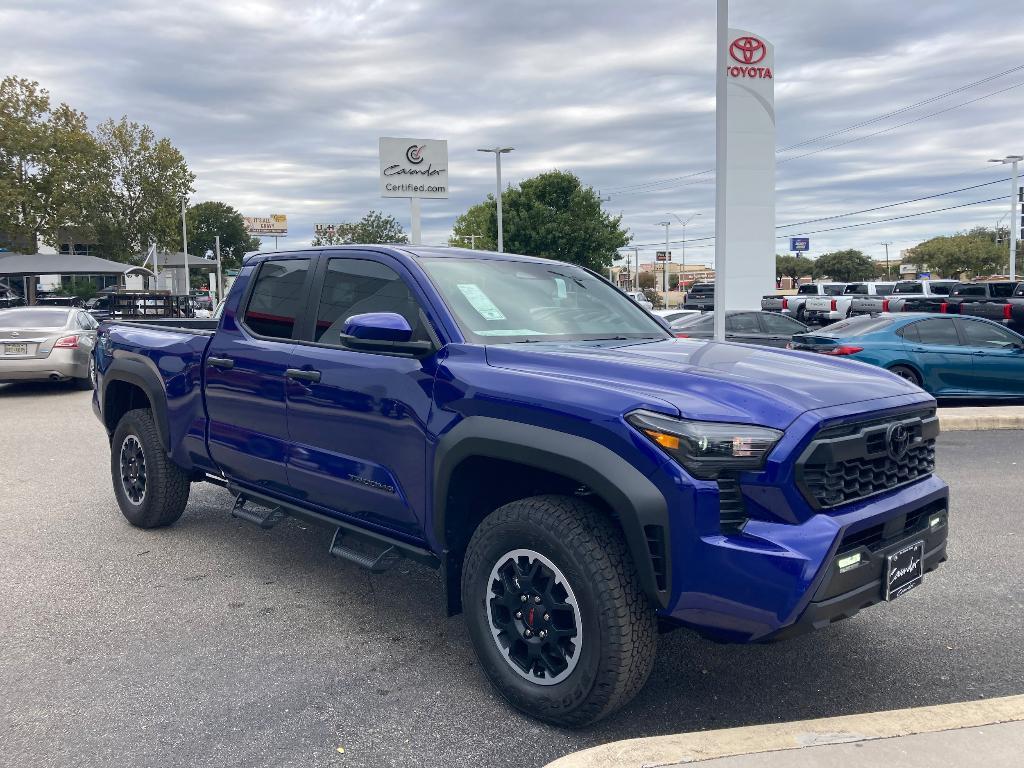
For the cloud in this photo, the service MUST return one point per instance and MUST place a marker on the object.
(278, 105)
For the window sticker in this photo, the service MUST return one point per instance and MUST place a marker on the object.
(481, 302)
(561, 288)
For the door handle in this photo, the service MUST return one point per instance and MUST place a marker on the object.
(221, 362)
(303, 375)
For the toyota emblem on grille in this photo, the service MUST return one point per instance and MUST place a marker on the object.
(897, 441)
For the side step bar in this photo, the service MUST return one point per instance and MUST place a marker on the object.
(371, 550)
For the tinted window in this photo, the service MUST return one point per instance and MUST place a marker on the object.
(1020, 290)
(33, 318)
(908, 288)
(937, 332)
(277, 298)
(855, 326)
(980, 334)
(781, 324)
(941, 289)
(695, 324)
(742, 323)
(1002, 290)
(834, 290)
(968, 290)
(909, 332)
(705, 289)
(812, 289)
(883, 290)
(357, 286)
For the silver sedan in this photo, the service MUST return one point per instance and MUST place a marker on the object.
(47, 343)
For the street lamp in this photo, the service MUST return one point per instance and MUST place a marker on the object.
(682, 245)
(664, 264)
(1013, 160)
(888, 272)
(498, 152)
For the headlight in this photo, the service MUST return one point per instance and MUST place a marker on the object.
(707, 448)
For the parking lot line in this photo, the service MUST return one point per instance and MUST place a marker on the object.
(708, 745)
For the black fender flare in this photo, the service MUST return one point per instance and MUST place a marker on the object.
(139, 374)
(636, 501)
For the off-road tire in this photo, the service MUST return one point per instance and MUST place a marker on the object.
(166, 485)
(617, 620)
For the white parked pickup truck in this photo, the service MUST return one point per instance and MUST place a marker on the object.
(794, 305)
(905, 289)
(822, 309)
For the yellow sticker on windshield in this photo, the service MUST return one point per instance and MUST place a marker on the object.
(481, 302)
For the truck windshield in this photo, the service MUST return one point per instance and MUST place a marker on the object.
(505, 301)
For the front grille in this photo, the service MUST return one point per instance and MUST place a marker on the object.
(850, 462)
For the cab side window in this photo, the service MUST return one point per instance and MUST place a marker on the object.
(358, 286)
(937, 332)
(277, 298)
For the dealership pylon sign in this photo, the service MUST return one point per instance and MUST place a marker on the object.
(750, 169)
(416, 169)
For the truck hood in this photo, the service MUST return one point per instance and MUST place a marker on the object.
(709, 380)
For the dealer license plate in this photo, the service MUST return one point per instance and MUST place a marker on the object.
(904, 570)
(15, 349)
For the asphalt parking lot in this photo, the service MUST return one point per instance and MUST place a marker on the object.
(216, 643)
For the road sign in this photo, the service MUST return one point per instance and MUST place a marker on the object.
(663, 255)
(799, 244)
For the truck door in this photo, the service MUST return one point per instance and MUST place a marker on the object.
(358, 419)
(245, 374)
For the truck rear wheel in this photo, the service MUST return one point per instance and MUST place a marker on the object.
(151, 490)
(555, 612)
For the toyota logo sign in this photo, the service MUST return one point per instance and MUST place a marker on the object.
(748, 50)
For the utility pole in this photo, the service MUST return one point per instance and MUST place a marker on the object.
(888, 272)
(664, 264)
(220, 280)
(184, 248)
(1012, 160)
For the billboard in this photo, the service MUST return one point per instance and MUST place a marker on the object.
(799, 244)
(663, 255)
(274, 225)
(414, 168)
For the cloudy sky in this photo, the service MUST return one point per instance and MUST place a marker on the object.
(277, 105)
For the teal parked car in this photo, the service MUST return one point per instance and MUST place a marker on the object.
(947, 356)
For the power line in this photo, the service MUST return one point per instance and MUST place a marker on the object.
(649, 186)
(892, 205)
(829, 229)
(899, 125)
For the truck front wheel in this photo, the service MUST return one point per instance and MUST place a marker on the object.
(555, 612)
(151, 490)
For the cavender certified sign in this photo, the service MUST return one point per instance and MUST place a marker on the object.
(413, 168)
(275, 224)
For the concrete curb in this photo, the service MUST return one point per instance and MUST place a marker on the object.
(708, 745)
(997, 417)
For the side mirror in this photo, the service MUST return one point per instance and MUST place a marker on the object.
(378, 326)
(386, 333)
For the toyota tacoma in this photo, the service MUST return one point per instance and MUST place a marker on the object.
(581, 479)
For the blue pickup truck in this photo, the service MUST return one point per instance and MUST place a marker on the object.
(581, 479)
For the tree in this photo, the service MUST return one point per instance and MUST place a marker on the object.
(793, 267)
(146, 179)
(551, 215)
(374, 227)
(845, 266)
(972, 253)
(654, 297)
(646, 280)
(48, 166)
(209, 219)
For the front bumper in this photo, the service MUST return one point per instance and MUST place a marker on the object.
(60, 365)
(777, 579)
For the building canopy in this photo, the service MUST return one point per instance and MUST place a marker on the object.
(33, 264)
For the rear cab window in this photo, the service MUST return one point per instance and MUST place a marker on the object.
(277, 298)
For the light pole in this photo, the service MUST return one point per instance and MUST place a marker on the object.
(721, 163)
(498, 152)
(184, 247)
(1013, 160)
(664, 264)
(682, 245)
(888, 272)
